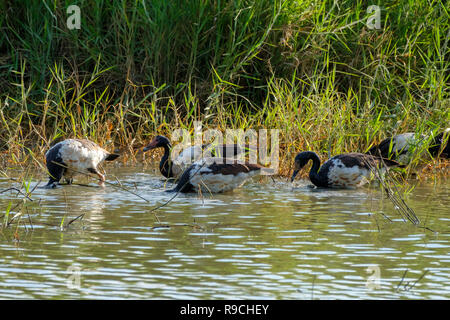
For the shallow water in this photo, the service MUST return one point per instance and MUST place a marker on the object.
(266, 240)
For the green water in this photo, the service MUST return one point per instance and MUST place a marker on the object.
(266, 240)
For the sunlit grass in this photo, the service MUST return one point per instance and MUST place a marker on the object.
(311, 69)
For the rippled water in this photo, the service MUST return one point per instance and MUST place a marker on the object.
(267, 240)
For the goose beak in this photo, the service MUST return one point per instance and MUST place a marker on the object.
(151, 145)
(294, 174)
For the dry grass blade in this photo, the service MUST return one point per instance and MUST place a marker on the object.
(119, 185)
(18, 192)
(406, 212)
(178, 191)
(73, 220)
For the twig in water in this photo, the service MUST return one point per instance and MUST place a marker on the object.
(74, 219)
(108, 183)
(31, 223)
(178, 191)
(18, 191)
(400, 205)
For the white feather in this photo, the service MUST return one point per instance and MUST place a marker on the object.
(203, 178)
(351, 177)
(80, 155)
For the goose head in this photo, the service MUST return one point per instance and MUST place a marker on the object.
(300, 161)
(157, 142)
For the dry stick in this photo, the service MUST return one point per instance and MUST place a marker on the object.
(398, 202)
(390, 195)
(18, 191)
(109, 183)
(201, 193)
(410, 214)
(123, 188)
(401, 204)
(17, 215)
(180, 225)
(34, 187)
(379, 179)
(420, 278)
(376, 221)
(374, 216)
(31, 223)
(401, 281)
(74, 219)
(179, 190)
(120, 183)
(26, 195)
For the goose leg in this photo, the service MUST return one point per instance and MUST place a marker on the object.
(56, 170)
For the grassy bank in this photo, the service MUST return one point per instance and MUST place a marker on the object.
(312, 69)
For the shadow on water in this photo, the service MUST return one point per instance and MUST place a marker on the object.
(268, 240)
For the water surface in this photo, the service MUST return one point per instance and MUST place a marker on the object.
(266, 240)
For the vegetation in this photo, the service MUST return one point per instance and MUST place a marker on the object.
(313, 69)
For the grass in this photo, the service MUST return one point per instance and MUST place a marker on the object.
(312, 69)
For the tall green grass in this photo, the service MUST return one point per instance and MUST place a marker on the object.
(310, 68)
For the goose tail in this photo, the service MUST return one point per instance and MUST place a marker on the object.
(111, 156)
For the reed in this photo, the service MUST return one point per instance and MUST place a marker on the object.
(312, 69)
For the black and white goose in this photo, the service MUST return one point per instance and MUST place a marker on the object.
(399, 147)
(174, 169)
(348, 170)
(440, 146)
(215, 175)
(72, 156)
